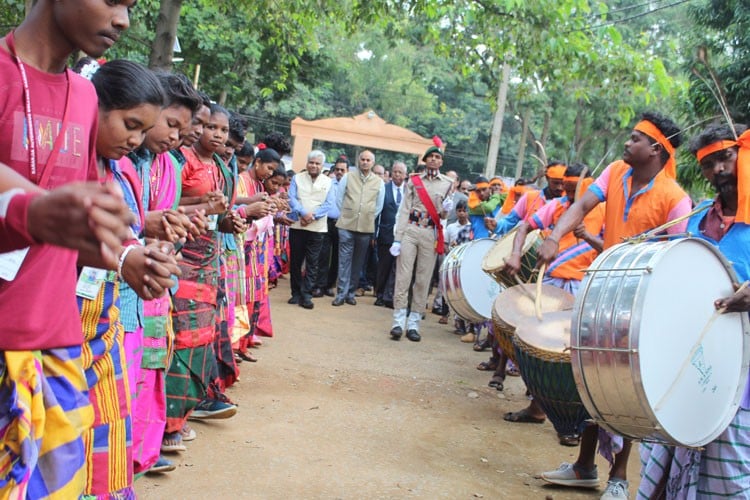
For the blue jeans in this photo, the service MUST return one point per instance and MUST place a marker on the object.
(352, 253)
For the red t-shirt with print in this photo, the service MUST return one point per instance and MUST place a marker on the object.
(38, 308)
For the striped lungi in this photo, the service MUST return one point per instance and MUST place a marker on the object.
(191, 371)
(109, 444)
(721, 469)
(43, 413)
(228, 371)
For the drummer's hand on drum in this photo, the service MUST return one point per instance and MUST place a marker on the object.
(580, 232)
(547, 252)
(739, 302)
(490, 223)
(513, 264)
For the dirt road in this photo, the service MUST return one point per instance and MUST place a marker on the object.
(334, 409)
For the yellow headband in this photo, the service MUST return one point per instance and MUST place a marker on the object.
(648, 128)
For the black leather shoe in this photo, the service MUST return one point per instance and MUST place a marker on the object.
(293, 300)
(330, 292)
(388, 304)
(413, 335)
(317, 293)
(396, 333)
(337, 302)
(379, 302)
(307, 304)
(351, 301)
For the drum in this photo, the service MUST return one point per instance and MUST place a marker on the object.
(468, 290)
(494, 260)
(542, 349)
(516, 304)
(651, 359)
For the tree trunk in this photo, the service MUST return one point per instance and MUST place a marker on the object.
(545, 127)
(166, 32)
(522, 145)
(497, 124)
(223, 98)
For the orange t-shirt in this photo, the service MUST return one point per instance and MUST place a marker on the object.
(629, 214)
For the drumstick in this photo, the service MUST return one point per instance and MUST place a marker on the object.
(538, 301)
(695, 348)
(523, 288)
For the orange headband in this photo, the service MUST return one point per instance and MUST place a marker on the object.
(556, 172)
(571, 179)
(712, 148)
(481, 185)
(495, 182)
(742, 171)
(648, 128)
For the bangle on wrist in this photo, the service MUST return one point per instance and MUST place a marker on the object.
(121, 260)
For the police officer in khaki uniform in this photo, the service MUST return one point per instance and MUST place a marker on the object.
(416, 234)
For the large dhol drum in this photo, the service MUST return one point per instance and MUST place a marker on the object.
(652, 359)
(542, 349)
(494, 261)
(468, 290)
(516, 304)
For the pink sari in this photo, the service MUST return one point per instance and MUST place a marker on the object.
(149, 413)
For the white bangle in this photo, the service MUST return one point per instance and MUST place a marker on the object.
(121, 261)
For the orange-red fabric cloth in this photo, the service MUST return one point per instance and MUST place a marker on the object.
(556, 172)
(630, 214)
(648, 128)
(742, 171)
(514, 194)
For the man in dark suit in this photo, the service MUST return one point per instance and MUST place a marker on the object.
(394, 192)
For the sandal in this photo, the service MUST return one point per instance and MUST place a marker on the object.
(523, 417)
(481, 346)
(569, 439)
(497, 382)
(443, 320)
(487, 366)
(172, 443)
(246, 356)
(187, 433)
(512, 370)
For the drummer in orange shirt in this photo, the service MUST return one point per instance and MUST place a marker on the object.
(578, 250)
(642, 193)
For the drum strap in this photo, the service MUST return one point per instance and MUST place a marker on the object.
(424, 197)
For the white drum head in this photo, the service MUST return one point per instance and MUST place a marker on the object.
(478, 289)
(518, 302)
(693, 365)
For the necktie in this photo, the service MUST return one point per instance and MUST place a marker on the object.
(398, 195)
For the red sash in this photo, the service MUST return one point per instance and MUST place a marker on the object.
(424, 197)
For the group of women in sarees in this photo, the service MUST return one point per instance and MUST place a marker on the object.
(164, 335)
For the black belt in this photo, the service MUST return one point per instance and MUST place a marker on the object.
(421, 219)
